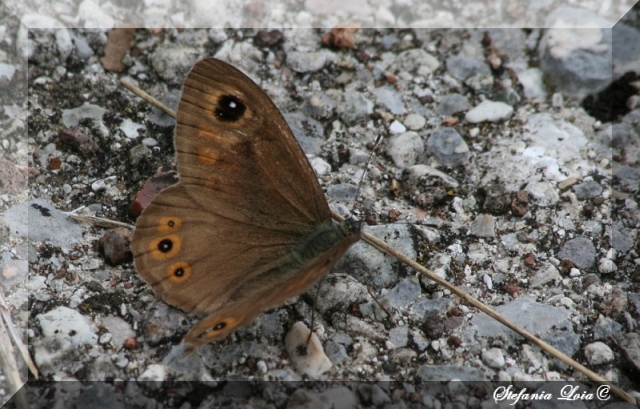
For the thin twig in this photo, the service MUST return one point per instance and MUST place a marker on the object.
(100, 221)
(7, 359)
(151, 100)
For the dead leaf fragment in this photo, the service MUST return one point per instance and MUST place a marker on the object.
(118, 43)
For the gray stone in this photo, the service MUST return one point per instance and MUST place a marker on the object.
(418, 60)
(483, 226)
(566, 342)
(339, 291)
(367, 264)
(322, 105)
(544, 193)
(534, 317)
(403, 293)
(605, 327)
(587, 190)
(355, 108)
(162, 323)
(622, 239)
(626, 49)
(439, 373)
(598, 353)
(38, 220)
(405, 149)
(577, 61)
(481, 83)
(99, 396)
(119, 329)
(414, 122)
(51, 354)
(308, 131)
(629, 343)
(339, 397)
(71, 117)
(545, 274)
(336, 352)
(399, 336)
(343, 192)
(307, 61)
(391, 99)
(580, 251)
(463, 67)
(173, 62)
(378, 396)
(448, 147)
(426, 306)
(270, 325)
(452, 104)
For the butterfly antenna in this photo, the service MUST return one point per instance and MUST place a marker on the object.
(366, 166)
(370, 291)
(313, 313)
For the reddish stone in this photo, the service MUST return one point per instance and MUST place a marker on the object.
(530, 259)
(13, 178)
(339, 37)
(130, 343)
(512, 290)
(161, 180)
(265, 38)
(114, 245)
(55, 163)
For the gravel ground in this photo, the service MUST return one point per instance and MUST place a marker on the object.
(527, 194)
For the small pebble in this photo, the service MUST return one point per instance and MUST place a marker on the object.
(153, 373)
(493, 357)
(415, 122)
(489, 111)
(396, 127)
(598, 353)
(307, 358)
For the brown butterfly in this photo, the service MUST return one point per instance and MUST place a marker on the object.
(248, 226)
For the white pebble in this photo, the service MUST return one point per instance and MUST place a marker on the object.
(105, 338)
(262, 366)
(489, 111)
(598, 353)
(396, 127)
(606, 266)
(314, 362)
(414, 121)
(154, 372)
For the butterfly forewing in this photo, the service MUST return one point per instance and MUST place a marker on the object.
(236, 154)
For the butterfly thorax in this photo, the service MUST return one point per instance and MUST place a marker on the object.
(323, 238)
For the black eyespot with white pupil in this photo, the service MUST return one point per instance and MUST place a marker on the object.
(230, 108)
(179, 272)
(165, 246)
(171, 223)
(220, 326)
